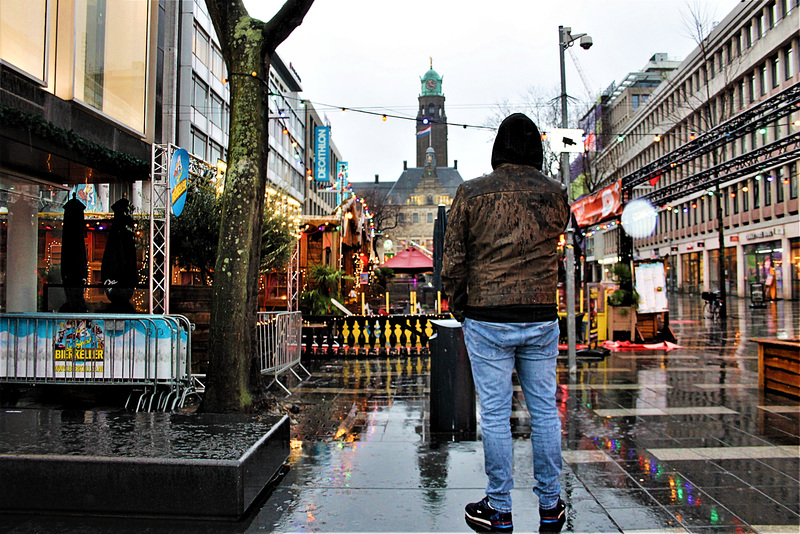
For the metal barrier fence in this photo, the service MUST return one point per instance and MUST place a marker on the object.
(371, 334)
(278, 336)
(152, 351)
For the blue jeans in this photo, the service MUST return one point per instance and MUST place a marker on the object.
(495, 350)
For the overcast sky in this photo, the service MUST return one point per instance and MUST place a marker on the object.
(371, 54)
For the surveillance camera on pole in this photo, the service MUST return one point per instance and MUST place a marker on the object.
(565, 40)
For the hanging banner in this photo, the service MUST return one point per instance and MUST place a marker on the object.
(605, 204)
(179, 179)
(342, 171)
(321, 150)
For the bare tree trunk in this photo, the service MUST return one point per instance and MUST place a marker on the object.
(247, 46)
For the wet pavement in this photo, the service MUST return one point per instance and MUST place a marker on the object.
(653, 441)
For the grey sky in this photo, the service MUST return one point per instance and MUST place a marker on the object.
(370, 54)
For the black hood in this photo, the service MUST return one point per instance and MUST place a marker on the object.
(518, 141)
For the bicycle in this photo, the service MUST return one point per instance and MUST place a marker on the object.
(713, 304)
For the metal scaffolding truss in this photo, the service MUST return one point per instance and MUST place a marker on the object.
(759, 116)
(293, 280)
(759, 160)
(159, 229)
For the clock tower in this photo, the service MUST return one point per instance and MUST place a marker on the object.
(431, 119)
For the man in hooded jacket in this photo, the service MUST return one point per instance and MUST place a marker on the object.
(500, 271)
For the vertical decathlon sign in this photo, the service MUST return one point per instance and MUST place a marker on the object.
(322, 143)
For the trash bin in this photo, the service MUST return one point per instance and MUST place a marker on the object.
(452, 390)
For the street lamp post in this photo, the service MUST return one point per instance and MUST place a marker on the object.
(565, 40)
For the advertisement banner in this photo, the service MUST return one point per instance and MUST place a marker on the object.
(321, 151)
(115, 350)
(605, 204)
(178, 179)
(342, 171)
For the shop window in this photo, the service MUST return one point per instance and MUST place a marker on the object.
(23, 32)
(111, 60)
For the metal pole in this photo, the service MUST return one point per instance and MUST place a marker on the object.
(569, 260)
(723, 312)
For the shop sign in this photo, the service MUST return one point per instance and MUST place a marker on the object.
(321, 143)
(759, 235)
(734, 239)
(701, 245)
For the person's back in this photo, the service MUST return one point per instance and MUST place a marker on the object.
(513, 218)
(504, 263)
(499, 271)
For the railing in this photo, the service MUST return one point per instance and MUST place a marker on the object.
(278, 337)
(153, 351)
(368, 335)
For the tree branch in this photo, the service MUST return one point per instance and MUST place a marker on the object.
(284, 23)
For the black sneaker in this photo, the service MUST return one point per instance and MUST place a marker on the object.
(553, 519)
(482, 517)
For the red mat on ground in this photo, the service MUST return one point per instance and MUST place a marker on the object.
(627, 345)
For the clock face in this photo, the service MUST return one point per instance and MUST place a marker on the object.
(431, 84)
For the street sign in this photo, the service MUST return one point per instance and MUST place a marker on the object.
(566, 140)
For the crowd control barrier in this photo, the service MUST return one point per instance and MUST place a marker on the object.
(149, 351)
(278, 336)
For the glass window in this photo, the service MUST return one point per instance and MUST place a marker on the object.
(200, 45)
(788, 62)
(768, 191)
(215, 152)
(745, 198)
(763, 78)
(756, 194)
(216, 110)
(111, 60)
(415, 217)
(217, 64)
(23, 35)
(200, 97)
(430, 217)
(735, 202)
(779, 185)
(776, 69)
(752, 82)
(199, 142)
(793, 180)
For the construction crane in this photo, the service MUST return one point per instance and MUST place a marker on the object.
(582, 74)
